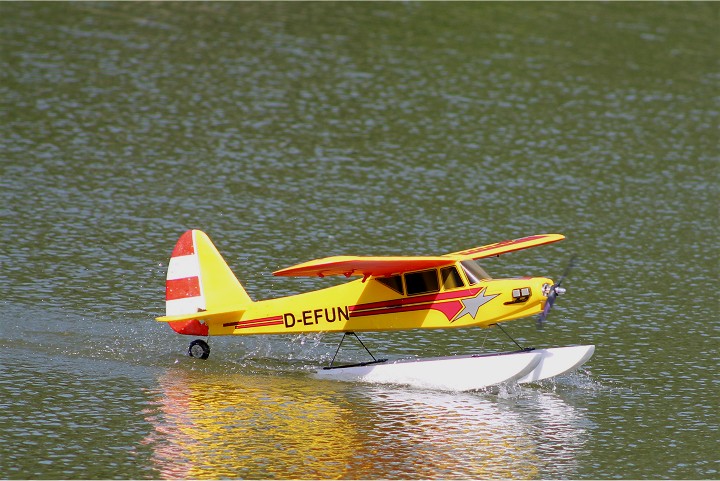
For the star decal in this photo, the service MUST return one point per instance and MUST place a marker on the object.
(472, 305)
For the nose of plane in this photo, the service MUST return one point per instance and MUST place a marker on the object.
(551, 291)
(546, 285)
(536, 290)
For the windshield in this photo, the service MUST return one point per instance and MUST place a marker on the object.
(474, 272)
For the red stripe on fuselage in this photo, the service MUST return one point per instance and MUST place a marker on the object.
(449, 308)
(184, 246)
(428, 298)
(391, 310)
(260, 324)
(447, 302)
(182, 288)
(264, 321)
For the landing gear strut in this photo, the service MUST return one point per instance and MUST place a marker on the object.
(199, 349)
(513, 340)
(374, 361)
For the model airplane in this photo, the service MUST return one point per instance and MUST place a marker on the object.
(204, 298)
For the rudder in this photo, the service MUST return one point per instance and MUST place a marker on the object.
(200, 281)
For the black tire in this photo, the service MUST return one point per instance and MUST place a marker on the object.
(199, 349)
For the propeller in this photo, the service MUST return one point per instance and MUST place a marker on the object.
(553, 292)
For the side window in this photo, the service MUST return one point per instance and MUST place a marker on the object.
(393, 282)
(451, 278)
(422, 282)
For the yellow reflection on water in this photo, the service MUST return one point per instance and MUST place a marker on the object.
(292, 426)
(213, 426)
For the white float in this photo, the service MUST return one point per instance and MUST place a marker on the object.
(557, 361)
(454, 373)
(466, 373)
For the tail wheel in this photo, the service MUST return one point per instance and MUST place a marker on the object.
(199, 349)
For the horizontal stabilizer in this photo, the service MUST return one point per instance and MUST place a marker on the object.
(210, 316)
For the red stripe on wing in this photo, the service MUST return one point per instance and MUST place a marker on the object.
(506, 243)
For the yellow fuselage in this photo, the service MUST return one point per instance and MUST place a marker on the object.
(372, 306)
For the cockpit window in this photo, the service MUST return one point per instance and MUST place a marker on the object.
(451, 278)
(393, 282)
(422, 282)
(474, 272)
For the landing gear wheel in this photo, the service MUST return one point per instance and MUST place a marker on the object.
(199, 349)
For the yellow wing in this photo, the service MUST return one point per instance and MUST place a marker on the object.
(363, 266)
(386, 266)
(504, 247)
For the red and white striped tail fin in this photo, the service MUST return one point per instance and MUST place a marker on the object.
(183, 287)
(199, 281)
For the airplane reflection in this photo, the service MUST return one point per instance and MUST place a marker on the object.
(472, 435)
(293, 426)
(248, 426)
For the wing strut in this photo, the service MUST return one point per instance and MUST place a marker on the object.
(374, 361)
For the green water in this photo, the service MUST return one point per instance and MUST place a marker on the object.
(291, 131)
